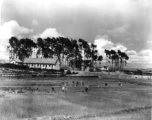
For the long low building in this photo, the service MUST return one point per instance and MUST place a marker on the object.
(43, 63)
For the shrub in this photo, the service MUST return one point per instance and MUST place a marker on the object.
(68, 72)
(13, 66)
(62, 70)
(91, 69)
(74, 73)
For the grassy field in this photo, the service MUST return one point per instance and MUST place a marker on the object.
(131, 101)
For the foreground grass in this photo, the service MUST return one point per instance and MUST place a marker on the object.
(97, 103)
(131, 101)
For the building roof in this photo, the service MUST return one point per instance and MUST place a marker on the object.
(16, 60)
(41, 60)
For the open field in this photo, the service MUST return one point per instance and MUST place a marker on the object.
(131, 101)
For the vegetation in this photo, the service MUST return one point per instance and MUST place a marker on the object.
(117, 60)
(13, 66)
(60, 47)
(21, 48)
(67, 49)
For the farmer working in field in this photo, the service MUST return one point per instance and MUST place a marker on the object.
(53, 89)
(86, 89)
(63, 89)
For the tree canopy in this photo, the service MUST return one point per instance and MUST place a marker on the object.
(65, 49)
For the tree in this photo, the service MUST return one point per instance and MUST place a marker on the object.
(113, 53)
(107, 57)
(14, 47)
(85, 47)
(120, 59)
(25, 48)
(100, 58)
(123, 57)
(93, 54)
(75, 54)
(115, 58)
(21, 48)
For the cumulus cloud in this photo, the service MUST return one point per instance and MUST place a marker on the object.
(145, 52)
(35, 22)
(49, 32)
(119, 47)
(131, 52)
(3, 52)
(149, 41)
(142, 57)
(7, 30)
(12, 28)
(120, 30)
(103, 42)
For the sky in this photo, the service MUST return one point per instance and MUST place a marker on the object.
(124, 25)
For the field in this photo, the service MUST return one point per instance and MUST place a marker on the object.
(131, 101)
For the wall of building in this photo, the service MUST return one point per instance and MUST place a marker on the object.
(44, 66)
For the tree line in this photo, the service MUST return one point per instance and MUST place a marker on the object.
(64, 49)
(117, 59)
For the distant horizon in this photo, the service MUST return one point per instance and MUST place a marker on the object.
(104, 64)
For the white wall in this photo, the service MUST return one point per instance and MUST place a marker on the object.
(44, 66)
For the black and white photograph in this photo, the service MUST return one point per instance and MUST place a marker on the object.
(75, 60)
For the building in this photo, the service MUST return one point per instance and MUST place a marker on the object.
(42, 63)
(35, 61)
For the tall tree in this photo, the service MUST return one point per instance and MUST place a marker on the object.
(120, 59)
(14, 47)
(124, 58)
(107, 57)
(93, 54)
(25, 49)
(100, 58)
(113, 53)
(21, 48)
(86, 49)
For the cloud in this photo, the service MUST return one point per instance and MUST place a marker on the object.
(3, 52)
(149, 42)
(7, 30)
(131, 52)
(119, 47)
(103, 42)
(142, 57)
(12, 28)
(119, 30)
(145, 52)
(49, 32)
(35, 22)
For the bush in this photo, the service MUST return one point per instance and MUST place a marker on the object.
(91, 69)
(74, 73)
(13, 66)
(62, 70)
(68, 72)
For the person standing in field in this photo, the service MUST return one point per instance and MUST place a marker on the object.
(86, 89)
(53, 89)
(120, 84)
(64, 89)
(82, 83)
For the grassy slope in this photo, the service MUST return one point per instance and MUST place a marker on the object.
(97, 102)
